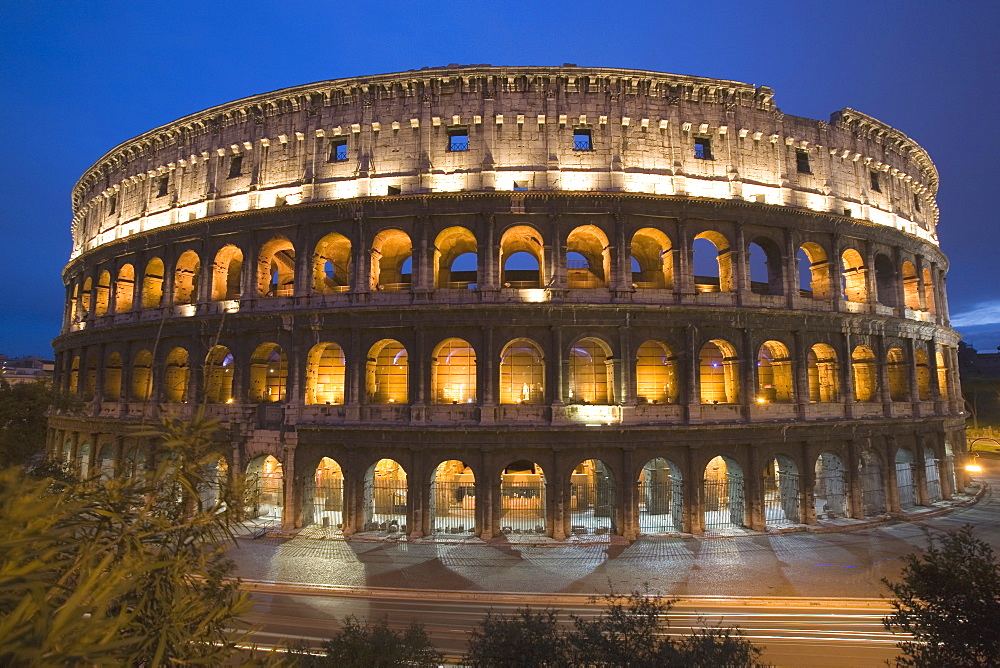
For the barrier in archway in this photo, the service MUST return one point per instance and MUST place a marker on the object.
(661, 497)
(723, 495)
(453, 499)
(385, 497)
(592, 499)
(522, 495)
(781, 492)
(830, 490)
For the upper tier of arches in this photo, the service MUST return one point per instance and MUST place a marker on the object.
(590, 260)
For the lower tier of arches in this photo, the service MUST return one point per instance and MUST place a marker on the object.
(560, 483)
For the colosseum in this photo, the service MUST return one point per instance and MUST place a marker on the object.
(521, 301)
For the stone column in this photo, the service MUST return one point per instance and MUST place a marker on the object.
(487, 371)
(629, 527)
(692, 396)
(892, 489)
(801, 370)
(854, 494)
(683, 269)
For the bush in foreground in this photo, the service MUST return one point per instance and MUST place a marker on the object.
(949, 600)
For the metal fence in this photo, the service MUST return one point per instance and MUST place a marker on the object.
(592, 507)
(323, 504)
(264, 496)
(661, 505)
(933, 476)
(872, 491)
(830, 494)
(385, 505)
(453, 507)
(723, 503)
(523, 507)
(781, 499)
(904, 484)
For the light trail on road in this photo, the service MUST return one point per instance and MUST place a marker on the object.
(794, 632)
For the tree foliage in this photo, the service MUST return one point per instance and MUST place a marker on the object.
(629, 631)
(126, 570)
(365, 645)
(949, 600)
(22, 420)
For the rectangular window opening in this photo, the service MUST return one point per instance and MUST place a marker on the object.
(875, 184)
(916, 203)
(113, 204)
(235, 166)
(338, 150)
(703, 148)
(582, 140)
(458, 140)
(164, 182)
(802, 161)
(520, 185)
(847, 212)
(394, 190)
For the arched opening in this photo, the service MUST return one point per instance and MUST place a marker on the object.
(124, 289)
(588, 261)
(830, 491)
(85, 294)
(718, 373)
(332, 264)
(905, 463)
(522, 496)
(923, 375)
(521, 257)
(872, 487)
(885, 280)
(775, 382)
(135, 462)
(781, 492)
(213, 487)
(90, 377)
(766, 276)
(276, 268)
(712, 262)
(656, 374)
(325, 508)
(455, 259)
(113, 378)
(103, 294)
(325, 374)
(722, 495)
(219, 375)
(661, 497)
(106, 462)
(911, 286)
(929, 302)
(387, 376)
(652, 261)
(385, 497)
(186, 278)
(74, 376)
(863, 374)
(814, 272)
(390, 251)
(940, 359)
(853, 276)
(823, 373)
(265, 485)
(176, 374)
(152, 284)
(592, 499)
(82, 459)
(268, 373)
(227, 274)
(522, 373)
(453, 373)
(932, 475)
(453, 498)
(142, 376)
(898, 375)
(590, 373)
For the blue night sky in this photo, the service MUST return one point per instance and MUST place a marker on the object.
(78, 77)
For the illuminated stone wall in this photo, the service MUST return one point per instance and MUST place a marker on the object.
(280, 149)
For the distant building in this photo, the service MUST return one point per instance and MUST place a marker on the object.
(25, 369)
(974, 364)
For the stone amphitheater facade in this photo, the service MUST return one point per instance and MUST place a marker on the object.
(521, 301)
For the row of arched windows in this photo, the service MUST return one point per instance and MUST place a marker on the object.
(456, 265)
(455, 379)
